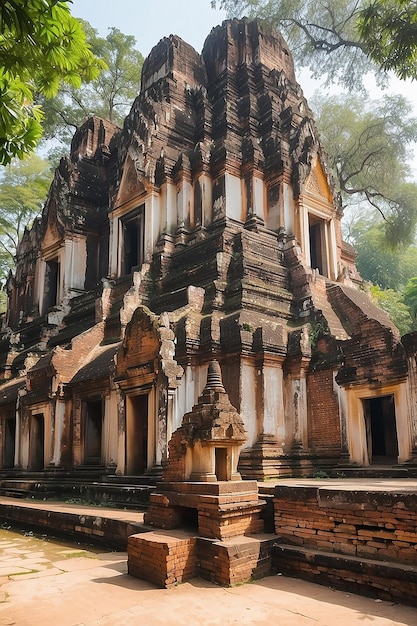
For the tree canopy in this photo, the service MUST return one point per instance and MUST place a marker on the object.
(394, 304)
(389, 30)
(23, 189)
(389, 268)
(341, 39)
(41, 46)
(109, 96)
(369, 144)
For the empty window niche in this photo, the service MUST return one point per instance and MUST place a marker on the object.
(221, 461)
(93, 421)
(9, 442)
(51, 284)
(317, 244)
(188, 518)
(133, 238)
(37, 442)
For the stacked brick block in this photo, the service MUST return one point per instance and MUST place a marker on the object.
(161, 558)
(234, 561)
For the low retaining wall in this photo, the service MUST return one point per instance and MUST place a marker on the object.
(363, 541)
(94, 528)
(370, 524)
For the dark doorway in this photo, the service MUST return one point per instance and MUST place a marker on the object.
(93, 415)
(316, 245)
(37, 442)
(189, 518)
(9, 442)
(137, 435)
(133, 241)
(381, 429)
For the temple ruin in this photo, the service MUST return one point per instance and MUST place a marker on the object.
(206, 229)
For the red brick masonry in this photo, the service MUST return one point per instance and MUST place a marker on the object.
(365, 541)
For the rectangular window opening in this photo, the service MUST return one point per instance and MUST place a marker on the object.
(51, 285)
(317, 245)
(133, 234)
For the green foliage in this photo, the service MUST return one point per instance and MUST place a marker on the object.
(317, 331)
(41, 45)
(342, 39)
(23, 189)
(368, 146)
(321, 474)
(109, 96)
(389, 31)
(410, 296)
(387, 267)
(393, 303)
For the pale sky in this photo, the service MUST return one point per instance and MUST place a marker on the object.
(192, 20)
(150, 20)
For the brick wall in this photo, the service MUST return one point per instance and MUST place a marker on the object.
(323, 412)
(378, 525)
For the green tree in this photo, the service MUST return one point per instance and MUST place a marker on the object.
(41, 46)
(410, 296)
(110, 95)
(393, 303)
(342, 39)
(389, 268)
(389, 30)
(369, 144)
(23, 189)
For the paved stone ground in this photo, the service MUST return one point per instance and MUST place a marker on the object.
(53, 584)
(48, 584)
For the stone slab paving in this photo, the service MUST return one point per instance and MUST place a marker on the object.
(46, 583)
(73, 586)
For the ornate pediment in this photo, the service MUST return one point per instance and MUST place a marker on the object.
(132, 183)
(53, 233)
(317, 183)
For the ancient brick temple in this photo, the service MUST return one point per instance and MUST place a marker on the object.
(206, 228)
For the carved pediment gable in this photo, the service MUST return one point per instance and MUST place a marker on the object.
(317, 182)
(133, 182)
(140, 346)
(54, 231)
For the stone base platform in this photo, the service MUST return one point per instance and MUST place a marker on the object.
(216, 510)
(167, 558)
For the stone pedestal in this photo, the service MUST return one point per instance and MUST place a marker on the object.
(218, 515)
(214, 510)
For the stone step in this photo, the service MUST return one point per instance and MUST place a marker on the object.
(387, 580)
(134, 495)
(107, 527)
(373, 471)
